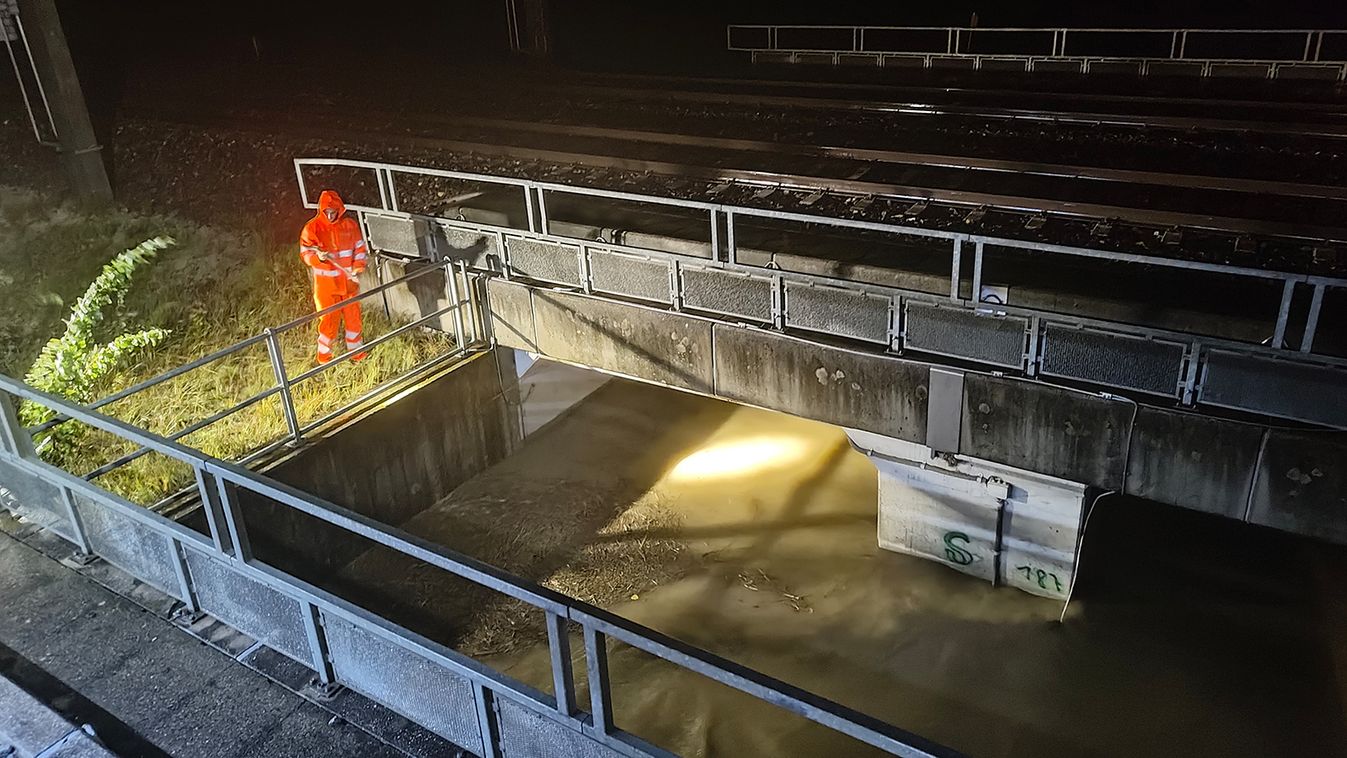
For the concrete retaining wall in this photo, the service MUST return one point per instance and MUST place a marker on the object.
(390, 464)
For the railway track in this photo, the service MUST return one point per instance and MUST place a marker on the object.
(1267, 209)
(1312, 119)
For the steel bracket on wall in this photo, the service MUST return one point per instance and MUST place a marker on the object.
(944, 414)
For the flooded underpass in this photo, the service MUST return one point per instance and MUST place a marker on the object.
(753, 535)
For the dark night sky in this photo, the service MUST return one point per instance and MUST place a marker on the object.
(111, 37)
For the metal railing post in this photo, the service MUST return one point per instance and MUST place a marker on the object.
(392, 190)
(715, 235)
(210, 505)
(283, 381)
(955, 265)
(452, 281)
(233, 520)
(473, 319)
(1283, 314)
(543, 226)
(383, 189)
(528, 208)
(730, 250)
(184, 577)
(486, 720)
(600, 691)
(563, 678)
(322, 660)
(13, 439)
(1312, 320)
(977, 272)
(76, 523)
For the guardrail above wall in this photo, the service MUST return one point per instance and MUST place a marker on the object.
(1270, 53)
(1192, 370)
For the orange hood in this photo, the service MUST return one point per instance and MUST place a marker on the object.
(330, 199)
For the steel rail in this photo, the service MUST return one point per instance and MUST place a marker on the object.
(642, 86)
(928, 107)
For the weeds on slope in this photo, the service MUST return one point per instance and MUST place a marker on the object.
(215, 288)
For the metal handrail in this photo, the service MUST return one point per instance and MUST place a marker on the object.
(218, 482)
(957, 39)
(723, 246)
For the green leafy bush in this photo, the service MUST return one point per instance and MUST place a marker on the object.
(73, 364)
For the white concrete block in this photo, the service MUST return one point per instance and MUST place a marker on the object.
(1006, 525)
(932, 514)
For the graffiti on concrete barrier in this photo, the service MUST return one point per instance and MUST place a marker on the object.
(1042, 577)
(955, 554)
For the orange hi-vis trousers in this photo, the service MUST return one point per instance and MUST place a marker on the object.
(329, 324)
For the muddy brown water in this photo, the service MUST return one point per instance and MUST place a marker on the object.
(752, 534)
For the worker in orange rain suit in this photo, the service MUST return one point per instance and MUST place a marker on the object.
(331, 237)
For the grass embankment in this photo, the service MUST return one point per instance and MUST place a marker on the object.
(214, 288)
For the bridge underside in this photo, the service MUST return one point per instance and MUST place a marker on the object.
(1285, 478)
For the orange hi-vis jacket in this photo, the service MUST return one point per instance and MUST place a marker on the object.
(341, 241)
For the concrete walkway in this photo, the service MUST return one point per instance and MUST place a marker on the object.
(148, 686)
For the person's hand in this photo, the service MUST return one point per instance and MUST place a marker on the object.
(322, 256)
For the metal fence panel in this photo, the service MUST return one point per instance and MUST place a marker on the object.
(134, 548)
(394, 235)
(984, 337)
(251, 606)
(728, 292)
(1113, 359)
(834, 310)
(544, 261)
(479, 250)
(1276, 387)
(630, 275)
(35, 499)
(525, 734)
(437, 699)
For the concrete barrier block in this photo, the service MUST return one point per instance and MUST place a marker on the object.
(1301, 484)
(654, 345)
(1061, 433)
(414, 299)
(938, 516)
(1009, 526)
(511, 309)
(1040, 527)
(851, 389)
(1193, 461)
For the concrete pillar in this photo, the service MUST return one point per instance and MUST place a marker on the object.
(1005, 525)
(81, 154)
